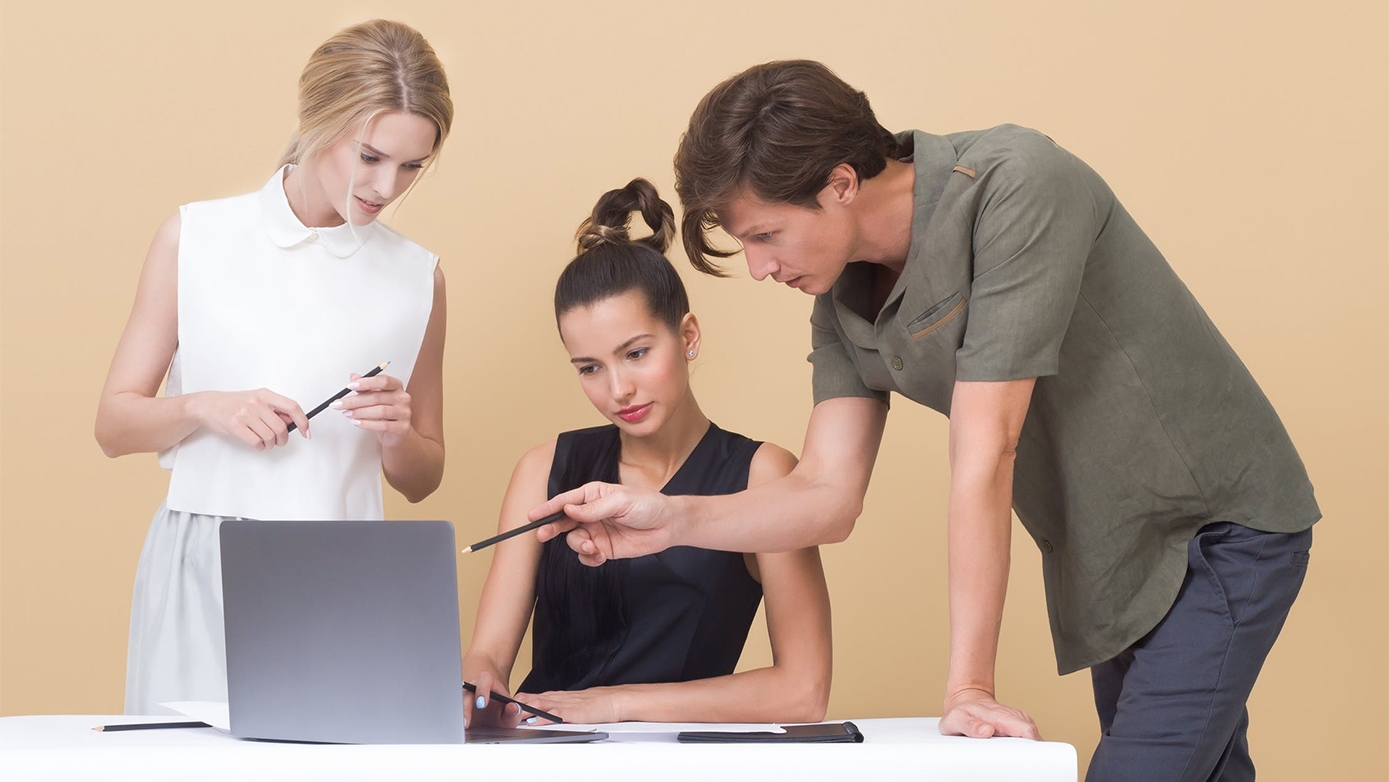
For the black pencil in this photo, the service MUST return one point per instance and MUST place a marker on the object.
(339, 395)
(511, 533)
(150, 726)
(470, 687)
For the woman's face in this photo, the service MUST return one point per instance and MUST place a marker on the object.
(631, 366)
(357, 180)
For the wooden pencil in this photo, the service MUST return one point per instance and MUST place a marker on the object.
(339, 395)
(470, 687)
(511, 533)
(149, 726)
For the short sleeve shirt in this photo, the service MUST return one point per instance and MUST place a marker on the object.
(1143, 426)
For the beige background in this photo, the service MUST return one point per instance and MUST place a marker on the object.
(1248, 138)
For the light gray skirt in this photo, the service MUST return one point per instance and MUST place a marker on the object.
(177, 651)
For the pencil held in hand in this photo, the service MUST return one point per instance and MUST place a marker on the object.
(511, 533)
(339, 395)
(498, 697)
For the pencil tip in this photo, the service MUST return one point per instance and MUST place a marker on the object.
(467, 550)
(99, 728)
(383, 366)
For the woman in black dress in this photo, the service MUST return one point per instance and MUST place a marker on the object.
(653, 638)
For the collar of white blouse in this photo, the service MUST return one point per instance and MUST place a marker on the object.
(287, 231)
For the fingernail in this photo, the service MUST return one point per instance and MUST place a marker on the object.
(356, 422)
(481, 702)
(336, 405)
(347, 413)
(532, 720)
(354, 385)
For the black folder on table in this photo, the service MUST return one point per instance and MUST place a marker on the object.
(817, 733)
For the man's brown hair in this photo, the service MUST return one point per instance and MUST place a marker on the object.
(774, 131)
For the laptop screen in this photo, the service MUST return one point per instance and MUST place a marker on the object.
(342, 631)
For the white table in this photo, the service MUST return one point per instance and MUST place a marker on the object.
(66, 747)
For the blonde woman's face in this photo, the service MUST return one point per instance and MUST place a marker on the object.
(359, 179)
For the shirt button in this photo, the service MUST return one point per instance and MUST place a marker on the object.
(897, 363)
(1046, 546)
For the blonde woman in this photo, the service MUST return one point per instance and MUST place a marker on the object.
(261, 305)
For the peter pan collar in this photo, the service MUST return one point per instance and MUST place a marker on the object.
(286, 231)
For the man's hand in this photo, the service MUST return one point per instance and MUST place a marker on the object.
(976, 714)
(607, 521)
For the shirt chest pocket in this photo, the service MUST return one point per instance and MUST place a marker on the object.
(936, 317)
(927, 347)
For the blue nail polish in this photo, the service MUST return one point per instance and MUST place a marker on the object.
(481, 702)
(532, 720)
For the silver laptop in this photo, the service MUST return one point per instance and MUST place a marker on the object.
(347, 632)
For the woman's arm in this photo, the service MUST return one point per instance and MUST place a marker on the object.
(795, 688)
(818, 502)
(508, 595)
(410, 421)
(130, 417)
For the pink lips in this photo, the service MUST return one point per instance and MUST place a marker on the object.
(367, 206)
(634, 413)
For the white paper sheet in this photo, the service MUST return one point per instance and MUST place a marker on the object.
(213, 713)
(671, 728)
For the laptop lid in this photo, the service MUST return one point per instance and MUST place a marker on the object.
(342, 631)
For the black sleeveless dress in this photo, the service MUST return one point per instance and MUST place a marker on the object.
(679, 615)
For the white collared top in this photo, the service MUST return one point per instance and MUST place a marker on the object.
(267, 302)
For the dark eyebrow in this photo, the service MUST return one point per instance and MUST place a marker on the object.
(623, 347)
(755, 229)
(378, 153)
(620, 349)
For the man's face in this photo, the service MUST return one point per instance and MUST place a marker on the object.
(800, 246)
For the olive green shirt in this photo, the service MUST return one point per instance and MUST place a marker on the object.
(1144, 425)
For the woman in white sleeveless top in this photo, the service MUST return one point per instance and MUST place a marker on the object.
(262, 305)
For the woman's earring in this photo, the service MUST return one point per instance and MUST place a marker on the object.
(691, 354)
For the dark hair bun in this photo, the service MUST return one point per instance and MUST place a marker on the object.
(611, 216)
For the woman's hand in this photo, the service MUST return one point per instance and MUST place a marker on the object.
(381, 405)
(259, 418)
(597, 704)
(480, 709)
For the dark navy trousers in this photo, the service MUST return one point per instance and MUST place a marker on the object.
(1172, 706)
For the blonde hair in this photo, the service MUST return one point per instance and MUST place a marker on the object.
(362, 71)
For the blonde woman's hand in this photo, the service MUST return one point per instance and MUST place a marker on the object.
(259, 418)
(381, 405)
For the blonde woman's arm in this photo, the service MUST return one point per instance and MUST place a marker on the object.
(409, 421)
(132, 418)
